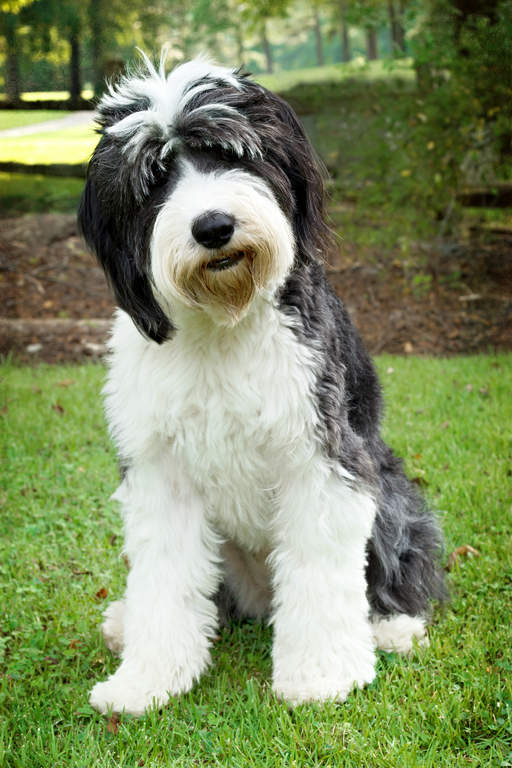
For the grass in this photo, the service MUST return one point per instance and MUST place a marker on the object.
(363, 70)
(17, 118)
(87, 93)
(20, 193)
(449, 705)
(68, 145)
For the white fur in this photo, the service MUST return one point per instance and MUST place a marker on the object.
(260, 224)
(399, 633)
(168, 95)
(219, 429)
(112, 627)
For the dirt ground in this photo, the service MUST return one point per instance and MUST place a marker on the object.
(55, 305)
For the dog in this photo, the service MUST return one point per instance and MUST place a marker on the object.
(242, 402)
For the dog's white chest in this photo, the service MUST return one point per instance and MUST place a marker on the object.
(236, 409)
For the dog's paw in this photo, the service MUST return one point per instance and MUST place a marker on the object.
(112, 627)
(303, 686)
(399, 632)
(120, 693)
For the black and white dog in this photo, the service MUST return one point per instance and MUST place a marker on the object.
(243, 404)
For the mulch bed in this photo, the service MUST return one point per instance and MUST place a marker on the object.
(55, 305)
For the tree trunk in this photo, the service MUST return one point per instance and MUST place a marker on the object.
(267, 49)
(396, 28)
(318, 37)
(400, 31)
(371, 44)
(95, 24)
(12, 70)
(346, 54)
(75, 85)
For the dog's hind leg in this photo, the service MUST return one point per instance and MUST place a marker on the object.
(112, 627)
(399, 632)
(404, 574)
(245, 591)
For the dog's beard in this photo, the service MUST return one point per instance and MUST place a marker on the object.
(224, 282)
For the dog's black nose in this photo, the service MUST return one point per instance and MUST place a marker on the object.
(213, 229)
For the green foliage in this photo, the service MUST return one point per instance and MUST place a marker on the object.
(447, 706)
(465, 72)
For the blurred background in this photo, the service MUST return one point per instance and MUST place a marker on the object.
(407, 102)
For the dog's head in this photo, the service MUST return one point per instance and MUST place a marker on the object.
(203, 191)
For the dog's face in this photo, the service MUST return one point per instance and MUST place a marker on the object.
(202, 192)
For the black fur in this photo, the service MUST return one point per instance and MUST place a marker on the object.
(403, 571)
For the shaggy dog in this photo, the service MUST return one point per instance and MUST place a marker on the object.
(243, 404)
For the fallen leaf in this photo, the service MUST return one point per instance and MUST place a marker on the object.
(57, 407)
(64, 383)
(469, 387)
(419, 480)
(101, 593)
(484, 391)
(445, 424)
(466, 550)
(113, 724)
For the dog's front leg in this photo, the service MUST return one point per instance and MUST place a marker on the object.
(168, 614)
(323, 643)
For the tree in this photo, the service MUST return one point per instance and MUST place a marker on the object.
(10, 11)
(346, 54)
(396, 10)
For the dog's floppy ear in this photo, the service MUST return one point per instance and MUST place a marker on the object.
(306, 174)
(287, 148)
(115, 232)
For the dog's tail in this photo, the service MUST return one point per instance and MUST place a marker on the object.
(404, 572)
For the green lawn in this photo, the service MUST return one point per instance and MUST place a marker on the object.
(87, 93)
(449, 705)
(366, 71)
(69, 145)
(17, 118)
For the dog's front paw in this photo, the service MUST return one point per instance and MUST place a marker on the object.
(128, 692)
(304, 685)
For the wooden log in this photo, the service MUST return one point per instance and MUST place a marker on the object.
(498, 195)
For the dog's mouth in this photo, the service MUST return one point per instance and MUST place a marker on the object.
(226, 260)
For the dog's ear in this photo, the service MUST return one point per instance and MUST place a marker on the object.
(306, 174)
(287, 148)
(115, 232)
